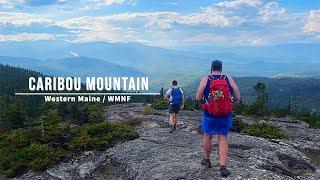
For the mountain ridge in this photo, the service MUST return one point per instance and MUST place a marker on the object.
(153, 59)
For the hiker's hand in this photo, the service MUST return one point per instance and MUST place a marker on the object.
(181, 107)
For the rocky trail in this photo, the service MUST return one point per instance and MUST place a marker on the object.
(157, 154)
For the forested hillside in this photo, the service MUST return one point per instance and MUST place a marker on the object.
(35, 135)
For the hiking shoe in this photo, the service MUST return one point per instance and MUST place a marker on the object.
(206, 162)
(224, 171)
(171, 129)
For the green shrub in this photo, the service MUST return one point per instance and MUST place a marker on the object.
(147, 110)
(51, 117)
(132, 122)
(191, 105)
(101, 135)
(238, 125)
(28, 149)
(95, 114)
(160, 104)
(34, 157)
(58, 133)
(19, 138)
(265, 130)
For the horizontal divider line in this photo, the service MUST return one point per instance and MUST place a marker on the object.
(21, 94)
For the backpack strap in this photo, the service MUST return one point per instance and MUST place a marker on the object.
(223, 77)
(210, 77)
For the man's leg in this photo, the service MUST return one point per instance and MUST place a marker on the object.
(207, 147)
(171, 119)
(223, 149)
(175, 120)
(223, 155)
(171, 122)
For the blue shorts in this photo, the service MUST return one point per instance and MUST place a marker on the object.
(216, 126)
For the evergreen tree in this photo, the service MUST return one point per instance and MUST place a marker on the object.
(259, 107)
(161, 91)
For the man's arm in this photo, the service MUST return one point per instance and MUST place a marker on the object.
(201, 88)
(236, 91)
(167, 96)
(182, 102)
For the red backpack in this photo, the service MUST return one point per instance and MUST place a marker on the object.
(219, 102)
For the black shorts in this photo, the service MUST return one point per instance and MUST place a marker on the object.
(174, 108)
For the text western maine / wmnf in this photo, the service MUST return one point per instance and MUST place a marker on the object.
(96, 84)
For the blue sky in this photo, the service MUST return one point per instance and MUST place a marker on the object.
(165, 23)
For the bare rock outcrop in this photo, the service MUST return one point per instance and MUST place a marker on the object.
(158, 154)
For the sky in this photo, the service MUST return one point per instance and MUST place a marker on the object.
(165, 23)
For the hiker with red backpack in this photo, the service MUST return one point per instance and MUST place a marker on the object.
(216, 92)
(176, 102)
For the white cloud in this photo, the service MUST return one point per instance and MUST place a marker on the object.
(9, 4)
(238, 3)
(21, 19)
(101, 3)
(271, 11)
(72, 53)
(205, 39)
(91, 29)
(255, 41)
(231, 22)
(26, 37)
(98, 4)
(6, 4)
(210, 17)
(313, 23)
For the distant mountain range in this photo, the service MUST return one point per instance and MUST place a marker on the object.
(285, 53)
(76, 66)
(239, 61)
(311, 74)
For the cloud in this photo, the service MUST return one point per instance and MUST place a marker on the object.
(43, 2)
(20, 19)
(9, 4)
(252, 41)
(238, 3)
(271, 12)
(99, 4)
(237, 22)
(26, 37)
(91, 29)
(219, 23)
(222, 14)
(205, 39)
(313, 23)
(72, 53)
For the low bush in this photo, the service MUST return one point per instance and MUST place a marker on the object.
(147, 110)
(37, 148)
(132, 122)
(160, 104)
(100, 135)
(34, 157)
(265, 130)
(238, 125)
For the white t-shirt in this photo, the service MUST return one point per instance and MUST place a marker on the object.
(169, 92)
